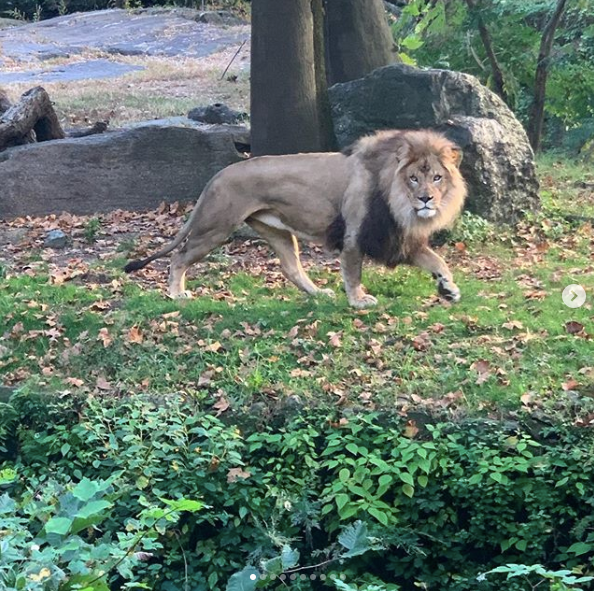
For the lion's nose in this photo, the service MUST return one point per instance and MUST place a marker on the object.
(426, 198)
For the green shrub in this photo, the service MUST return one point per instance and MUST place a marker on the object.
(435, 508)
(52, 538)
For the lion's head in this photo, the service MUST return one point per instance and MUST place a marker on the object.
(418, 172)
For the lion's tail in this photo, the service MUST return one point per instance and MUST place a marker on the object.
(181, 236)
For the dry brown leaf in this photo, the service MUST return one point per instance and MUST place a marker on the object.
(213, 347)
(483, 369)
(76, 382)
(104, 337)
(134, 335)
(335, 339)
(103, 384)
(293, 332)
(421, 342)
(411, 430)
(221, 405)
(570, 384)
(527, 399)
(511, 324)
(573, 327)
(236, 474)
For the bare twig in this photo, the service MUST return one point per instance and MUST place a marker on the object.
(233, 59)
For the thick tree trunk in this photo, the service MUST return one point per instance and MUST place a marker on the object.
(33, 113)
(496, 72)
(284, 102)
(327, 137)
(358, 39)
(536, 121)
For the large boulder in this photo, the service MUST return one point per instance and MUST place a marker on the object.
(134, 169)
(498, 162)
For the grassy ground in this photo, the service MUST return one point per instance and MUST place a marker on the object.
(70, 320)
(165, 88)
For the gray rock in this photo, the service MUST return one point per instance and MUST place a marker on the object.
(220, 17)
(86, 70)
(217, 113)
(135, 168)
(5, 23)
(165, 32)
(498, 163)
(55, 239)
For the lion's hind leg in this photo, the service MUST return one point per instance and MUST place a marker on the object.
(193, 251)
(285, 245)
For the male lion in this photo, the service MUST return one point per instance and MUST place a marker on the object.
(382, 197)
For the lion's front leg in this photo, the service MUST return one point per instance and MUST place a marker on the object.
(430, 261)
(351, 262)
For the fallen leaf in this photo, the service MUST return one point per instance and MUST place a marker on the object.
(527, 399)
(134, 335)
(571, 384)
(335, 339)
(76, 382)
(235, 474)
(103, 384)
(221, 405)
(510, 325)
(421, 342)
(213, 347)
(483, 369)
(104, 337)
(410, 430)
(573, 327)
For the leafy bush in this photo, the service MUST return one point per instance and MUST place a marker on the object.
(471, 228)
(362, 496)
(51, 538)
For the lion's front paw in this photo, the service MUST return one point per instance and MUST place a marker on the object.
(363, 301)
(181, 295)
(448, 290)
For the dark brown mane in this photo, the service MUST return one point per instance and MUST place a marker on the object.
(380, 236)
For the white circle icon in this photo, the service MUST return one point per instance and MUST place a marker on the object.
(574, 296)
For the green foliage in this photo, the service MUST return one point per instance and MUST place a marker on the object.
(92, 229)
(471, 228)
(562, 580)
(445, 34)
(55, 537)
(362, 497)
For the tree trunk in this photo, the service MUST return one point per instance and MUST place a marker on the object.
(497, 73)
(284, 103)
(359, 39)
(34, 112)
(535, 123)
(327, 137)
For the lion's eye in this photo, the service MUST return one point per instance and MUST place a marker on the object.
(414, 179)
(437, 178)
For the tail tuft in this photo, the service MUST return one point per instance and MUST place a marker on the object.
(135, 265)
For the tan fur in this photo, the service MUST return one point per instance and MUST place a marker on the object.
(314, 196)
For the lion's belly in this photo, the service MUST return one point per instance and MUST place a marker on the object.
(274, 221)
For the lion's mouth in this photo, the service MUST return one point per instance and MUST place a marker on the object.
(426, 212)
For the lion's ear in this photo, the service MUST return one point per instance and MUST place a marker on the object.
(454, 154)
(403, 150)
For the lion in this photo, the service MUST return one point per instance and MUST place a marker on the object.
(381, 198)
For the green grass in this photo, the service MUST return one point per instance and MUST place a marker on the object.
(248, 341)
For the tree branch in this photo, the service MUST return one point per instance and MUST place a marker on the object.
(497, 72)
(536, 121)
